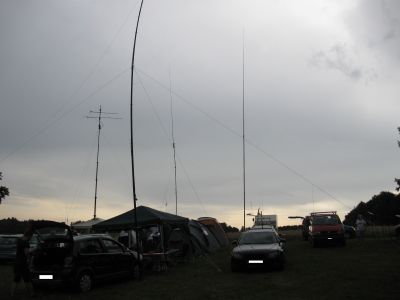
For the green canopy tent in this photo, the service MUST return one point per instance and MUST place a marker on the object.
(147, 217)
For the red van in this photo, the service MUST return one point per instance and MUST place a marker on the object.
(326, 227)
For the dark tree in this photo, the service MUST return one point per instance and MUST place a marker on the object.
(3, 190)
(228, 228)
(397, 180)
(379, 210)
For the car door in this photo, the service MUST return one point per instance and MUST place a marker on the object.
(119, 260)
(93, 255)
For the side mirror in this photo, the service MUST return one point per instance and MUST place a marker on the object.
(235, 243)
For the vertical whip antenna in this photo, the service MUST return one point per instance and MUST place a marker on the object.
(131, 127)
(243, 140)
(173, 146)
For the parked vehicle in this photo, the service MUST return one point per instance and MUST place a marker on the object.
(305, 227)
(397, 231)
(258, 248)
(326, 227)
(79, 261)
(349, 231)
(8, 247)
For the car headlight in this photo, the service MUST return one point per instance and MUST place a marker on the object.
(237, 255)
(274, 254)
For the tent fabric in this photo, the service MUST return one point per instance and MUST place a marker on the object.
(87, 225)
(202, 239)
(146, 216)
(215, 228)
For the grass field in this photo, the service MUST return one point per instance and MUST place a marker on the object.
(368, 269)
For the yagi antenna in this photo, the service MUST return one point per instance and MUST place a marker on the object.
(99, 116)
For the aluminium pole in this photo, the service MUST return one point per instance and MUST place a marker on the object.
(97, 163)
(131, 129)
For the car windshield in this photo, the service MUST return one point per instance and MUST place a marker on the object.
(325, 220)
(257, 238)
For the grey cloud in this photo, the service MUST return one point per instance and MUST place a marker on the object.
(376, 24)
(338, 58)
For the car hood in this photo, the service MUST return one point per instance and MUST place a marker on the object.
(257, 248)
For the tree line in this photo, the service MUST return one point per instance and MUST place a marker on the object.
(379, 210)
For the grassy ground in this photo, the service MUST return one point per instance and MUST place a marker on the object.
(368, 269)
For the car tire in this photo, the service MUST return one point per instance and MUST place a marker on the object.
(84, 282)
(313, 243)
(136, 272)
(280, 267)
(234, 268)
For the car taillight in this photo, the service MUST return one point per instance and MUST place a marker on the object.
(68, 261)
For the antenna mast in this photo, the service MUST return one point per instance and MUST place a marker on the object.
(99, 117)
(243, 141)
(131, 127)
(173, 146)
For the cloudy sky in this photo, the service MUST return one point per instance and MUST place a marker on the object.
(321, 105)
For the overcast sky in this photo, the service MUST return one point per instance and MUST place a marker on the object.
(321, 106)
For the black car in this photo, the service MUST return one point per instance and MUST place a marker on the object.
(258, 248)
(8, 247)
(305, 227)
(349, 231)
(79, 261)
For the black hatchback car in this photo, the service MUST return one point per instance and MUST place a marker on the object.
(79, 261)
(258, 248)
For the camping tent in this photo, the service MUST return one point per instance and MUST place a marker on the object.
(203, 240)
(85, 227)
(216, 229)
(148, 218)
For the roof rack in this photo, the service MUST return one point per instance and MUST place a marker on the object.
(323, 213)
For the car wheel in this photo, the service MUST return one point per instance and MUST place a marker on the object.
(84, 282)
(313, 243)
(280, 267)
(136, 272)
(234, 267)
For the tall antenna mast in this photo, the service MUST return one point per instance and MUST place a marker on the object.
(243, 141)
(131, 127)
(99, 117)
(173, 146)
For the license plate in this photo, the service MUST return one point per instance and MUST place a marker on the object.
(45, 276)
(256, 261)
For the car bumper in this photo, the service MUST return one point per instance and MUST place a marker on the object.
(328, 238)
(258, 261)
(51, 278)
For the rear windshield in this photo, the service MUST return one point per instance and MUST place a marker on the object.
(250, 237)
(54, 237)
(53, 232)
(325, 220)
